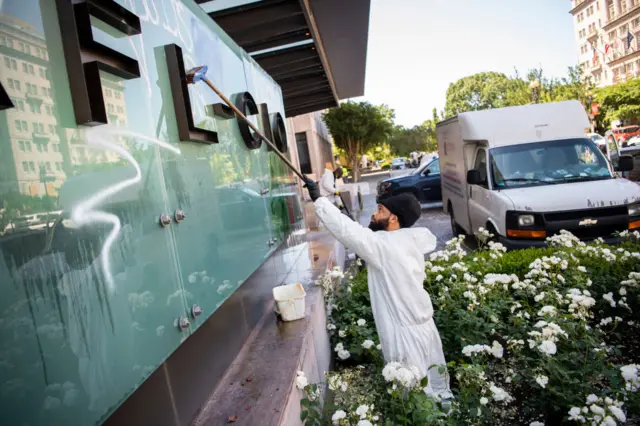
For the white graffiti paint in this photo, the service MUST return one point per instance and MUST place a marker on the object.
(87, 212)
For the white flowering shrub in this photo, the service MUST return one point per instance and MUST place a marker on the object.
(532, 337)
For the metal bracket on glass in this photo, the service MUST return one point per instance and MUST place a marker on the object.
(179, 216)
(183, 323)
(196, 310)
(165, 220)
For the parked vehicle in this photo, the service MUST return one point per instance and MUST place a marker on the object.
(423, 182)
(525, 173)
(624, 133)
(399, 163)
(598, 139)
(631, 147)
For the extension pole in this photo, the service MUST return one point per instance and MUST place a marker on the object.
(196, 74)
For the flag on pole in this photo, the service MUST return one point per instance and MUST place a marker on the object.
(607, 46)
(629, 39)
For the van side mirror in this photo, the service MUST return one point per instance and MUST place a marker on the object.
(625, 163)
(474, 177)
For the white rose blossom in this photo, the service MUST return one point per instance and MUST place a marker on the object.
(542, 380)
(301, 380)
(337, 416)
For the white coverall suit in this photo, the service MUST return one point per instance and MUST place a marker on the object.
(328, 187)
(401, 306)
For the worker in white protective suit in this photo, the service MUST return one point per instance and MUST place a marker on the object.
(394, 253)
(328, 185)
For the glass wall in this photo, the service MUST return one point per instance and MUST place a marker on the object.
(92, 287)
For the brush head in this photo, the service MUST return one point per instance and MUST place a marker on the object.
(197, 74)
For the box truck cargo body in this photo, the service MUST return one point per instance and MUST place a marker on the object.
(528, 172)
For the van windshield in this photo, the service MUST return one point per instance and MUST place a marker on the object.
(547, 163)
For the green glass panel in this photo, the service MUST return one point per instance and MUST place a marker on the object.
(91, 284)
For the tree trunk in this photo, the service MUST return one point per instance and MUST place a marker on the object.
(355, 168)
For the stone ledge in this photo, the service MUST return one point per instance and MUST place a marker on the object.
(259, 386)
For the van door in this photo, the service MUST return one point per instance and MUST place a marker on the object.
(479, 194)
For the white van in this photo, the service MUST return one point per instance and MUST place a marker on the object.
(528, 172)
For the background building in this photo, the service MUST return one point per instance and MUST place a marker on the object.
(608, 39)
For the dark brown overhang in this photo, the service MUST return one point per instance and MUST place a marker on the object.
(314, 49)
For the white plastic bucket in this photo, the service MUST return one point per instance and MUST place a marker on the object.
(290, 301)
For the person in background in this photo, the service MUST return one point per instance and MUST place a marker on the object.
(394, 254)
(328, 184)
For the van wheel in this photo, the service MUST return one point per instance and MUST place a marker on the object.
(455, 228)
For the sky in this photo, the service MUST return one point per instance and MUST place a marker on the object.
(418, 47)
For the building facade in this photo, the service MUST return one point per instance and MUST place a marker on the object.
(608, 39)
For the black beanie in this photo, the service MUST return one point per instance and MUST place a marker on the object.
(405, 206)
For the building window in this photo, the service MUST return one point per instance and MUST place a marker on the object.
(43, 90)
(24, 126)
(7, 62)
(58, 168)
(303, 152)
(51, 129)
(39, 147)
(18, 126)
(21, 144)
(25, 167)
(17, 84)
(622, 32)
(28, 145)
(32, 166)
(24, 68)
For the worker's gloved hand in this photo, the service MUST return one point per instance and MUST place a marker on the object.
(313, 188)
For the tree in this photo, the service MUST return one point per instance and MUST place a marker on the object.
(484, 90)
(358, 126)
(620, 101)
(415, 139)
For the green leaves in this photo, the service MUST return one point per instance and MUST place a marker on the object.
(358, 126)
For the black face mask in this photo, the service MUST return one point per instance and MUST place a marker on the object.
(378, 225)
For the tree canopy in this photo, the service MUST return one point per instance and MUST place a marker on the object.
(488, 90)
(620, 101)
(356, 127)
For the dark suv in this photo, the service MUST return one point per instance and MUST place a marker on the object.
(423, 182)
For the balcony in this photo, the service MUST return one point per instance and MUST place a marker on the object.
(34, 97)
(624, 53)
(40, 137)
(595, 65)
(593, 34)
